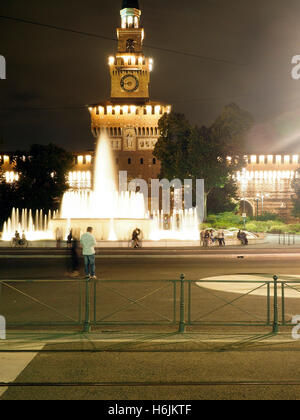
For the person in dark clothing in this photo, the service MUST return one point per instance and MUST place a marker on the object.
(69, 239)
(244, 238)
(239, 237)
(75, 257)
(136, 238)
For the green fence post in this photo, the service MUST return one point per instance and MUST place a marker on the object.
(268, 304)
(182, 306)
(87, 322)
(283, 303)
(275, 322)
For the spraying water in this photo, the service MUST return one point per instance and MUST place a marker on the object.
(113, 215)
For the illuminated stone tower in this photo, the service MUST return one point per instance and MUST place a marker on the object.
(130, 119)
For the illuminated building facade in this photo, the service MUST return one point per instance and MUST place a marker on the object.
(130, 120)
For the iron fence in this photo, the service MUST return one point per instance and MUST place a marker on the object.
(180, 303)
(286, 239)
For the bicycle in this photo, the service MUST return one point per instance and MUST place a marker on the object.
(21, 243)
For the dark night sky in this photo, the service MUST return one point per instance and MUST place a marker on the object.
(49, 68)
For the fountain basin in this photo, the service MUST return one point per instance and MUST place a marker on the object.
(104, 229)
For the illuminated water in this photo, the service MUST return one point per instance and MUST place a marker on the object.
(113, 215)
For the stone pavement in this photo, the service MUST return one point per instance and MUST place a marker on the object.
(157, 366)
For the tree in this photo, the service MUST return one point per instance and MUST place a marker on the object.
(296, 196)
(7, 197)
(172, 146)
(188, 152)
(222, 200)
(42, 176)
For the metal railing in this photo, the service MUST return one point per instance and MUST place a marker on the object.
(182, 303)
(286, 239)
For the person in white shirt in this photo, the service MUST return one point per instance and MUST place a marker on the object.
(88, 243)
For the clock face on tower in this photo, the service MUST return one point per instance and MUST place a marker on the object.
(129, 83)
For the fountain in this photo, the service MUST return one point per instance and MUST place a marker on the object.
(35, 227)
(112, 214)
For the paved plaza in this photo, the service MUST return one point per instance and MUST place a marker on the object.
(129, 361)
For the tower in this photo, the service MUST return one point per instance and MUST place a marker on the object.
(129, 68)
(130, 118)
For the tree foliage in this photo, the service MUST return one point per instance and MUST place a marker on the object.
(7, 197)
(296, 196)
(224, 199)
(42, 176)
(188, 152)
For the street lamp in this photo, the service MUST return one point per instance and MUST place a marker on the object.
(244, 212)
(257, 200)
(261, 196)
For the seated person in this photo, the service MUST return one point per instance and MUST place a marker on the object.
(135, 238)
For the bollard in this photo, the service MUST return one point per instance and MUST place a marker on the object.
(182, 306)
(87, 322)
(275, 322)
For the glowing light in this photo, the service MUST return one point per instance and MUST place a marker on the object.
(117, 109)
(270, 159)
(149, 109)
(109, 109)
(157, 109)
(88, 159)
(296, 159)
(150, 64)
(125, 109)
(278, 159)
(101, 110)
(261, 159)
(80, 160)
(111, 60)
(132, 109)
(286, 159)
(253, 159)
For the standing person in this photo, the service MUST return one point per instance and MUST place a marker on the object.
(206, 239)
(88, 243)
(136, 238)
(202, 233)
(221, 237)
(212, 237)
(59, 237)
(75, 255)
(69, 239)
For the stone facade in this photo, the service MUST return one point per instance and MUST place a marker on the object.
(265, 184)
